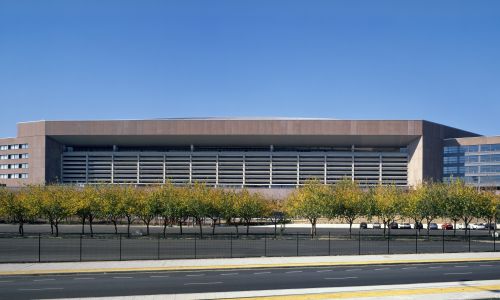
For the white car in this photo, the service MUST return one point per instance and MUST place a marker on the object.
(404, 226)
(479, 226)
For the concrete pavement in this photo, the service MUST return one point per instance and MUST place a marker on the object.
(238, 263)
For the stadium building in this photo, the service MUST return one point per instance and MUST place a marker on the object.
(270, 153)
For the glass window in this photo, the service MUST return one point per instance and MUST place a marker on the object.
(471, 148)
(4, 147)
(24, 146)
(490, 169)
(471, 179)
(450, 159)
(24, 155)
(4, 167)
(471, 159)
(451, 149)
(4, 157)
(472, 169)
(23, 176)
(450, 170)
(4, 176)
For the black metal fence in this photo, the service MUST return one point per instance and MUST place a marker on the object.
(74, 247)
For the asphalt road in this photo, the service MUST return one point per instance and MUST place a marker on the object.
(151, 283)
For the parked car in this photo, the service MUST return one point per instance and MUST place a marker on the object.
(363, 225)
(394, 225)
(376, 225)
(418, 225)
(447, 226)
(479, 226)
(491, 226)
(433, 226)
(405, 226)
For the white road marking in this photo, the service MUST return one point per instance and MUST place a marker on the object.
(123, 277)
(408, 268)
(42, 289)
(462, 273)
(350, 270)
(46, 279)
(228, 274)
(461, 266)
(340, 278)
(290, 272)
(382, 269)
(435, 267)
(320, 271)
(258, 273)
(195, 283)
(195, 275)
(486, 265)
(83, 278)
(6, 281)
(158, 276)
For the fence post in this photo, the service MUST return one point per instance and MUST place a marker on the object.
(120, 246)
(389, 241)
(158, 248)
(195, 254)
(416, 241)
(265, 244)
(359, 242)
(297, 244)
(469, 240)
(39, 247)
(329, 247)
(443, 241)
(231, 245)
(81, 240)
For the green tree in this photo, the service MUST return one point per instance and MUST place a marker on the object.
(461, 202)
(111, 210)
(388, 200)
(54, 203)
(147, 205)
(18, 206)
(309, 202)
(197, 204)
(351, 200)
(127, 204)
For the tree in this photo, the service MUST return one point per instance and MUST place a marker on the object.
(147, 205)
(276, 212)
(387, 199)
(111, 209)
(168, 197)
(213, 202)
(250, 205)
(54, 203)
(197, 205)
(309, 202)
(486, 207)
(18, 206)
(229, 208)
(461, 202)
(351, 201)
(87, 205)
(126, 204)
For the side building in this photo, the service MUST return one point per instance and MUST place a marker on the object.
(229, 152)
(476, 160)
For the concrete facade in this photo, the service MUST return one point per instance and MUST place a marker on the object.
(49, 142)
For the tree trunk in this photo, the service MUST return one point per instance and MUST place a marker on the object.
(83, 225)
(147, 226)
(51, 226)
(180, 226)
(248, 225)
(116, 228)
(454, 227)
(56, 224)
(428, 229)
(21, 228)
(164, 227)
(350, 229)
(201, 228)
(91, 218)
(128, 226)
(213, 226)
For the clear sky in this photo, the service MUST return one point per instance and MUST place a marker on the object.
(434, 60)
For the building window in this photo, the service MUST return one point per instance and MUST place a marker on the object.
(472, 170)
(450, 159)
(23, 166)
(450, 170)
(4, 176)
(471, 148)
(23, 176)
(24, 155)
(23, 146)
(4, 157)
(4, 167)
(4, 147)
(452, 149)
(490, 148)
(13, 156)
(471, 159)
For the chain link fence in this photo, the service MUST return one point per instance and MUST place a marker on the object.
(108, 247)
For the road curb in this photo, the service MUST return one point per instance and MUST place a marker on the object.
(243, 266)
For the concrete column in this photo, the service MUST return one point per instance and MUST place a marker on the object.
(380, 168)
(216, 170)
(164, 168)
(270, 169)
(415, 162)
(298, 170)
(87, 167)
(324, 169)
(112, 168)
(138, 168)
(244, 170)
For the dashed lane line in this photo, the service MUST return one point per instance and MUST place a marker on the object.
(83, 278)
(290, 272)
(158, 276)
(458, 273)
(341, 278)
(45, 279)
(352, 270)
(381, 269)
(195, 275)
(203, 283)
(260, 273)
(43, 289)
(228, 274)
(122, 277)
(321, 271)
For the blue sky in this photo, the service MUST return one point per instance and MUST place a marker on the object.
(434, 60)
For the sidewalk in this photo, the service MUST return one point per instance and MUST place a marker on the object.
(237, 263)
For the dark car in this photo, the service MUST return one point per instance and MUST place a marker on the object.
(447, 226)
(418, 225)
(491, 226)
(433, 226)
(363, 225)
(393, 225)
